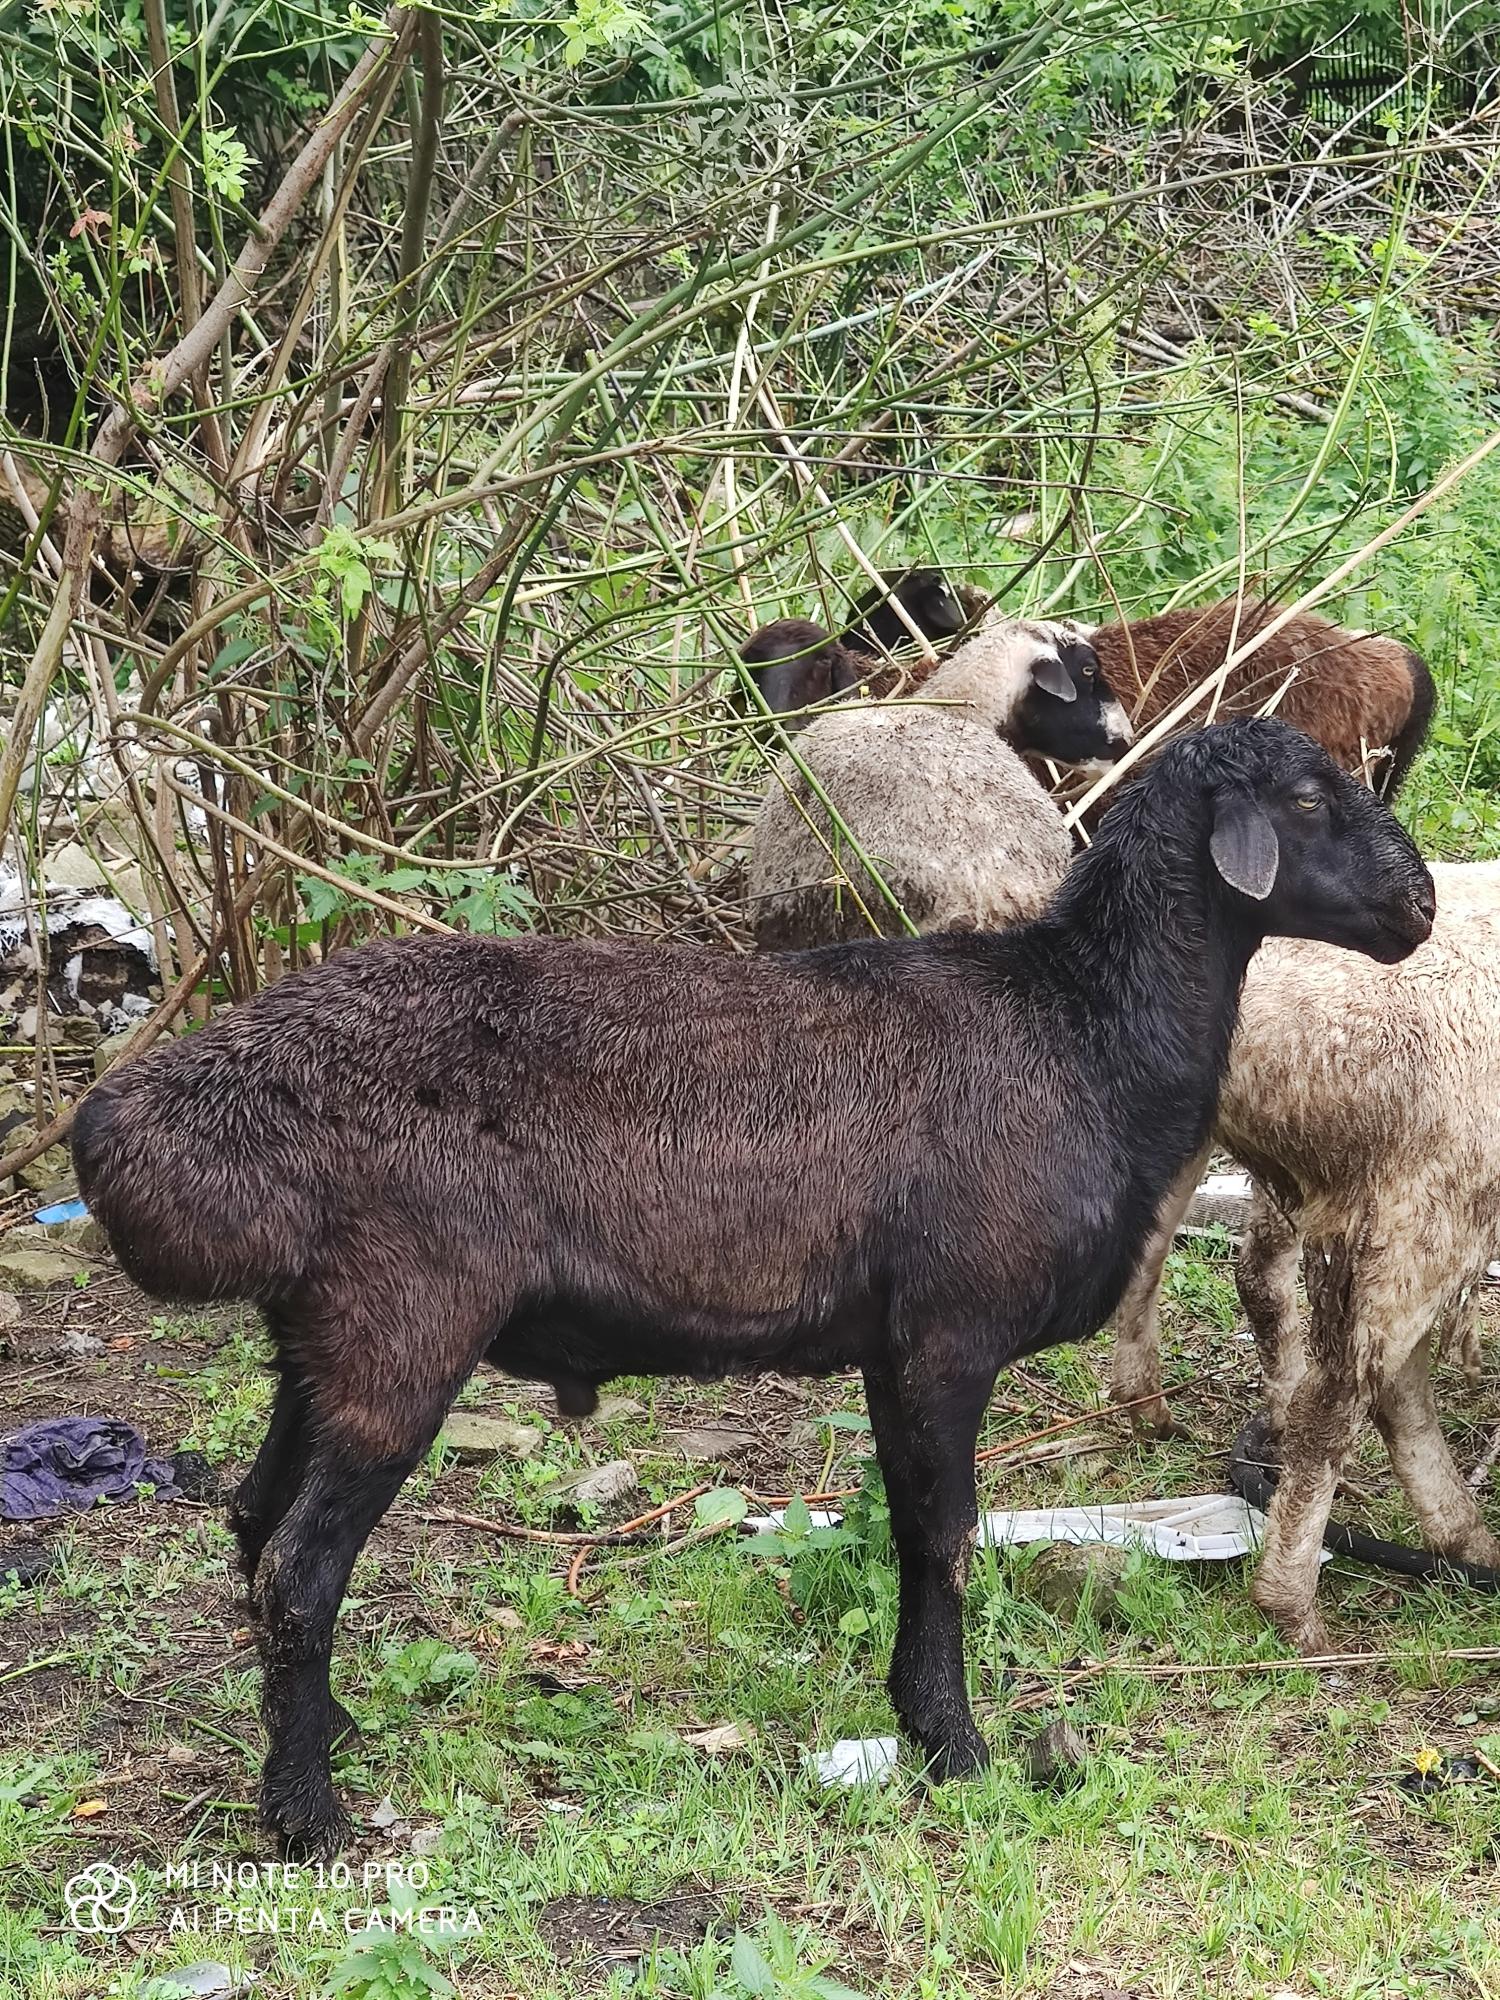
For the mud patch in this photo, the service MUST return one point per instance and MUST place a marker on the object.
(609, 1931)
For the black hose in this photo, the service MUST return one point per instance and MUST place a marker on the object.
(1254, 1479)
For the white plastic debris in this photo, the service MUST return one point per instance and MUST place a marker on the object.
(67, 906)
(1201, 1527)
(767, 1524)
(856, 1760)
(1217, 1186)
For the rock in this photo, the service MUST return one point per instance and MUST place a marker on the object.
(24, 1562)
(617, 1409)
(33, 1270)
(474, 1437)
(193, 1476)
(79, 1232)
(710, 1446)
(595, 1486)
(48, 1170)
(1056, 1755)
(1222, 1201)
(75, 1031)
(74, 1345)
(10, 1310)
(71, 866)
(205, 1979)
(108, 1052)
(1069, 1575)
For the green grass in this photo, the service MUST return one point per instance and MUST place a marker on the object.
(1236, 1833)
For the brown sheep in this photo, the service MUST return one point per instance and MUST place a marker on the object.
(1360, 695)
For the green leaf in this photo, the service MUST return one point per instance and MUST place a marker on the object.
(748, 1964)
(854, 1622)
(320, 899)
(724, 1503)
(797, 1519)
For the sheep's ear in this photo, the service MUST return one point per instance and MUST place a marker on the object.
(1244, 847)
(1052, 677)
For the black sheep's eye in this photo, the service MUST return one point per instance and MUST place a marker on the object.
(1090, 673)
(1309, 802)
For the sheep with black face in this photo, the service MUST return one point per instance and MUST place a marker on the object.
(935, 794)
(922, 1158)
(796, 664)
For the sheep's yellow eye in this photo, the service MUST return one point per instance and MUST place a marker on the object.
(1309, 802)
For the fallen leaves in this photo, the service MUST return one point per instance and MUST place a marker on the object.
(720, 1741)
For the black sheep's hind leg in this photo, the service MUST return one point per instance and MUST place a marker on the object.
(303, 1575)
(374, 1407)
(925, 1434)
(270, 1486)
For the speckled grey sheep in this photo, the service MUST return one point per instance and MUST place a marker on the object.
(962, 833)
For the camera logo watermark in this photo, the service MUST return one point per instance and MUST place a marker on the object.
(226, 1896)
(101, 1899)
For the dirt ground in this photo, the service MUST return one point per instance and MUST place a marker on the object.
(133, 1663)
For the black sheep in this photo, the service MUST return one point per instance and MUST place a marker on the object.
(795, 663)
(920, 1158)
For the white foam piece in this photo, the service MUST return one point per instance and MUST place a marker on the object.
(856, 1760)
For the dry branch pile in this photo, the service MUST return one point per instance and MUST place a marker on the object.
(375, 558)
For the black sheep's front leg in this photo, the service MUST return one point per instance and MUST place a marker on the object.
(926, 1427)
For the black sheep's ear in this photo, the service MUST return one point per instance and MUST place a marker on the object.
(1244, 846)
(1052, 677)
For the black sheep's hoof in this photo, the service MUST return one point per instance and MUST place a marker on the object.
(964, 1757)
(311, 1824)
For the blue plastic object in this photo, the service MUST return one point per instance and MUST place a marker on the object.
(62, 1211)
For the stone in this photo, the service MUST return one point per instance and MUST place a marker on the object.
(1221, 1201)
(48, 1170)
(25, 1562)
(474, 1437)
(1056, 1754)
(71, 866)
(1066, 1576)
(709, 1446)
(10, 1310)
(74, 1345)
(74, 1031)
(595, 1486)
(79, 1232)
(205, 1979)
(34, 1270)
(618, 1409)
(108, 1052)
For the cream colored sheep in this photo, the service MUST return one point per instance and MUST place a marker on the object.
(1363, 1099)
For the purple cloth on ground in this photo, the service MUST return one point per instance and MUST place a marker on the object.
(66, 1464)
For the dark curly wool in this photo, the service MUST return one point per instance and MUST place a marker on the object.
(921, 1159)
